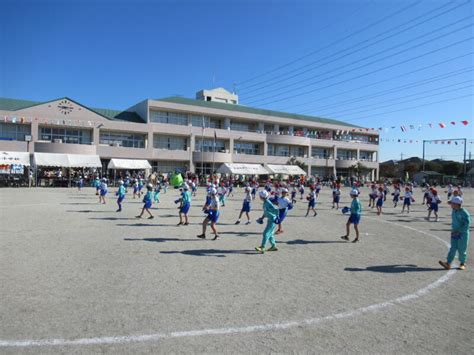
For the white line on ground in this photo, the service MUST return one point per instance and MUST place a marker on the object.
(238, 330)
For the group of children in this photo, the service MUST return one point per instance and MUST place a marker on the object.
(276, 204)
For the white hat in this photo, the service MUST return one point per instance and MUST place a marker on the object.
(263, 194)
(247, 188)
(354, 192)
(120, 182)
(213, 191)
(284, 190)
(186, 187)
(456, 200)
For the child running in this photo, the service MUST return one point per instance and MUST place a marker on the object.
(185, 201)
(396, 195)
(354, 218)
(433, 205)
(212, 211)
(120, 196)
(147, 200)
(312, 202)
(461, 221)
(246, 206)
(380, 200)
(407, 199)
(222, 192)
(284, 205)
(336, 195)
(270, 211)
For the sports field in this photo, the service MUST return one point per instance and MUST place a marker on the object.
(76, 277)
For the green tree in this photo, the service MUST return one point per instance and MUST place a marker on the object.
(452, 168)
(360, 170)
(295, 161)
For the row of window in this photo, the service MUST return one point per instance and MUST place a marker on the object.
(65, 135)
(129, 140)
(14, 132)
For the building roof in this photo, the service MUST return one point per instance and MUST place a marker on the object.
(257, 111)
(15, 105)
(429, 173)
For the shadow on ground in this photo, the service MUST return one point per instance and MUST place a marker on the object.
(304, 242)
(160, 240)
(394, 269)
(211, 252)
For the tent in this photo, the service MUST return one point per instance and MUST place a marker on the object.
(128, 164)
(242, 169)
(14, 158)
(66, 160)
(84, 161)
(285, 169)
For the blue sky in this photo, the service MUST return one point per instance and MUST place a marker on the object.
(376, 63)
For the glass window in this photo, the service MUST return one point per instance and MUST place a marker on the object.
(321, 153)
(170, 142)
(209, 122)
(14, 132)
(242, 126)
(278, 150)
(247, 148)
(128, 140)
(169, 117)
(168, 166)
(343, 154)
(208, 145)
(66, 135)
(297, 151)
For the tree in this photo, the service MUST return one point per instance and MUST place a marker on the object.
(411, 168)
(295, 161)
(360, 170)
(452, 168)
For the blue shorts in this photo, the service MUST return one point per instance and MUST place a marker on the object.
(120, 199)
(293, 195)
(185, 208)
(135, 189)
(336, 199)
(213, 216)
(147, 204)
(311, 203)
(395, 198)
(282, 214)
(354, 218)
(379, 202)
(407, 201)
(103, 192)
(246, 206)
(434, 207)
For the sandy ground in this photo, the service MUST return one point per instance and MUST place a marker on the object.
(72, 269)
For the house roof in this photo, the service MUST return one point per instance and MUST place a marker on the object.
(8, 104)
(245, 109)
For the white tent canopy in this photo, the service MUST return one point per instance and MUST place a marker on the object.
(17, 158)
(286, 169)
(128, 164)
(84, 161)
(242, 169)
(67, 160)
(50, 159)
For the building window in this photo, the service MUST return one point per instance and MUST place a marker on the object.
(169, 117)
(170, 142)
(168, 166)
(14, 132)
(247, 148)
(65, 135)
(321, 153)
(208, 145)
(122, 139)
(242, 126)
(343, 154)
(209, 122)
(297, 151)
(366, 156)
(278, 150)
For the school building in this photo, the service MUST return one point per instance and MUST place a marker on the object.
(188, 134)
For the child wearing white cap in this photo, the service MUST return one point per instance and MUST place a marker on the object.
(212, 211)
(185, 201)
(461, 221)
(271, 212)
(246, 206)
(120, 196)
(284, 205)
(354, 218)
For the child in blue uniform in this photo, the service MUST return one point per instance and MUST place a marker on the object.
(336, 196)
(147, 200)
(120, 195)
(311, 201)
(396, 195)
(461, 221)
(136, 189)
(434, 201)
(380, 200)
(354, 218)
(284, 205)
(185, 200)
(301, 190)
(103, 191)
(212, 211)
(270, 211)
(407, 199)
(293, 194)
(246, 206)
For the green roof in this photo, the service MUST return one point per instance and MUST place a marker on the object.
(116, 115)
(257, 111)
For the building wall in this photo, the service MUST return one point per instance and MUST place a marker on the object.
(82, 118)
